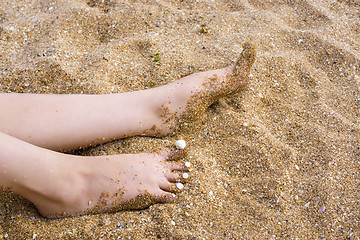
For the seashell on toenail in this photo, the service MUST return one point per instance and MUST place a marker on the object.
(181, 144)
(180, 186)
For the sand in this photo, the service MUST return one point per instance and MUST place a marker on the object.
(278, 160)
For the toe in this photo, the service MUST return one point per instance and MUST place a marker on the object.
(177, 167)
(176, 154)
(164, 196)
(171, 187)
(173, 177)
(167, 186)
(249, 52)
(173, 154)
(246, 60)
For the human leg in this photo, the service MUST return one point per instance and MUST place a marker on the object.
(63, 122)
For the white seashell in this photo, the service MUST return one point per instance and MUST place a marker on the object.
(185, 175)
(187, 164)
(180, 186)
(181, 144)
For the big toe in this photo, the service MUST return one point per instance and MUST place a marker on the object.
(162, 196)
(249, 53)
(173, 154)
(246, 60)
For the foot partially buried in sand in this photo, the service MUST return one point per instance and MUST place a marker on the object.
(63, 185)
(187, 98)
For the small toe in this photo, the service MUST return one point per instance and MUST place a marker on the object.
(173, 177)
(164, 196)
(167, 186)
(177, 167)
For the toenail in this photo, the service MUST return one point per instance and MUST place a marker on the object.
(180, 186)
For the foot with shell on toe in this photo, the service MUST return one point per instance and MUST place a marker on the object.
(97, 184)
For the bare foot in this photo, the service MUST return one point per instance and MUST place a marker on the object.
(69, 121)
(83, 185)
(188, 97)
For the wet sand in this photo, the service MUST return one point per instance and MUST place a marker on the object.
(278, 160)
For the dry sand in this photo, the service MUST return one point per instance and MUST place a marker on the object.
(279, 160)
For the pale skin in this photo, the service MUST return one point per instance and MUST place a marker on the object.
(36, 129)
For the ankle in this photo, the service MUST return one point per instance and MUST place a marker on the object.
(58, 187)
